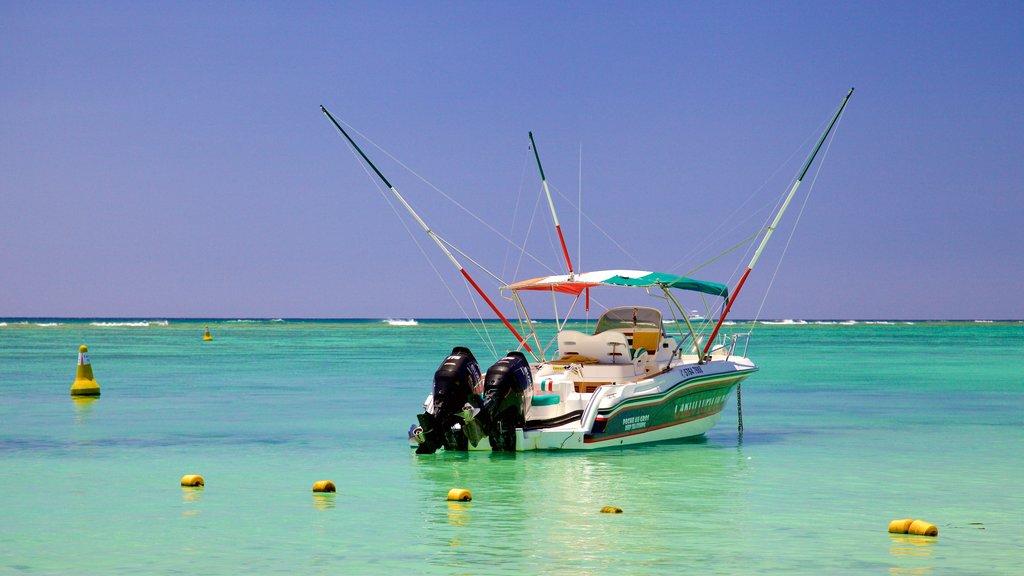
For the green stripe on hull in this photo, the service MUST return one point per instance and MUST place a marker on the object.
(691, 400)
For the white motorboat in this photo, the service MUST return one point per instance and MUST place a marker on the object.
(632, 380)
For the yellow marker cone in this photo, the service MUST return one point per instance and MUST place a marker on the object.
(85, 384)
(206, 335)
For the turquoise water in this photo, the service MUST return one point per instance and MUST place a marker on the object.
(846, 428)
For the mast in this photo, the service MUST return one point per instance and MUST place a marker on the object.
(551, 205)
(775, 222)
(429, 232)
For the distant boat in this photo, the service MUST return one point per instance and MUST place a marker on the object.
(401, 322)
(696, 316)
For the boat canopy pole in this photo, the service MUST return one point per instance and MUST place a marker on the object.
(551, 205)
(429, 232)
(775, 222)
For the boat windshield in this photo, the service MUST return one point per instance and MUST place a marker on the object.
(629, 318)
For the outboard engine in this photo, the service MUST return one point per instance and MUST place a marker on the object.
(505, 388)
(455, 384)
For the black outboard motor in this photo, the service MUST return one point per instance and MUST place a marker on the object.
(505, 387)
(454, 384)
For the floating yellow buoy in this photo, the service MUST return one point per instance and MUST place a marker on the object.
(85, 384)
(192, 480)
(900, 526)
(922, 528)
(324, 486)
(460, 495)
(611, 510)
(206, 335)
(915, 527)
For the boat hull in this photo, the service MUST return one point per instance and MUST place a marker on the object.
(683, 402)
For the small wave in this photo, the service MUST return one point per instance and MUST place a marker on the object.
(786, 322)
(48, 324)
(242, 321)
(728, 323)
(277, 319)
(849, 323)
(140, 324)
(826, 322)
(984, 321)
(401, 322)
(878, 322)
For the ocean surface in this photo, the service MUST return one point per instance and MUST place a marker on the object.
(847, 427)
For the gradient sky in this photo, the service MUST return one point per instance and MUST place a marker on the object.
(171, 160)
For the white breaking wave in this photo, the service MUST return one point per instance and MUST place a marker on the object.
(786, 322)
(140, 324)
(401, 322)
(48, 324)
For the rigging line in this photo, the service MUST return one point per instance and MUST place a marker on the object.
(488, 341)
(526, 237)
(593, 223)
(493, 276)
(746, 240)
(796, 223)
(715, 232)
(515, 213)
(444, 195)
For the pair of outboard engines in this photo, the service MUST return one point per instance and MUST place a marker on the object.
(464, 409)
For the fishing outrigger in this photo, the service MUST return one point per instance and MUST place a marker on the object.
(628, 382)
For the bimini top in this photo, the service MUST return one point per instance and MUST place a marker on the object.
(634, 278)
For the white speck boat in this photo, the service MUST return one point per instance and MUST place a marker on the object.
(630, 381)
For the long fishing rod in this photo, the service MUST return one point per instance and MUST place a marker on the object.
(775, 222)
(551, 205)
(429, 232)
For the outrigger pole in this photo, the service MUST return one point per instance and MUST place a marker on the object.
(429, 232)
(775, 222)
(551, 204)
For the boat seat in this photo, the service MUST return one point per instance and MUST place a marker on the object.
(648, 339)
(606, 347)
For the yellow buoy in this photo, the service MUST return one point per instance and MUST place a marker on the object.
(192, 480)
(206, 335)
(922, 528)
(324, 486)
(900, 526)
(611, 510)
(85, 384)
(460, 495)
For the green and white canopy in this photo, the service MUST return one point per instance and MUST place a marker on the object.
(631, 278)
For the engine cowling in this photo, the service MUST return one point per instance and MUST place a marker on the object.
(505, 389)
(455, 384)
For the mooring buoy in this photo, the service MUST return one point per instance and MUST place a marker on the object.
(85, 384)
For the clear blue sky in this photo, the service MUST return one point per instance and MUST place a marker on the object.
(170, 159)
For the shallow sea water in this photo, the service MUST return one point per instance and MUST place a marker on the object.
(846, 428)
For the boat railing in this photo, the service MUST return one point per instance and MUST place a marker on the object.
(590, 412)
(734, 340)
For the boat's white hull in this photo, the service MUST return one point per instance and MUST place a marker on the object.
(682, 402)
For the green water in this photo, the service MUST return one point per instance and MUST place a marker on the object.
(846, 428)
